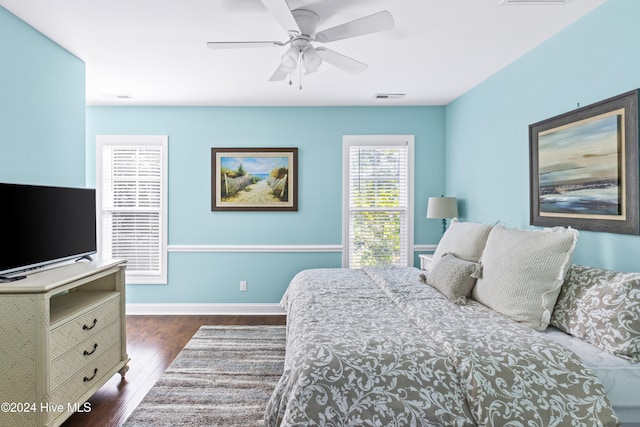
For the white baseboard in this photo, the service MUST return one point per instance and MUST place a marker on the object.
(206, 309)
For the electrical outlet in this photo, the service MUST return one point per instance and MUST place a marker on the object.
(243, 286)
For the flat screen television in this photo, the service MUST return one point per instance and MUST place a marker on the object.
(41, 225)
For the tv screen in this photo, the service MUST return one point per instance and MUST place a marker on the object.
(41, 225)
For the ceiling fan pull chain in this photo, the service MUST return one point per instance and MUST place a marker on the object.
(300, 70)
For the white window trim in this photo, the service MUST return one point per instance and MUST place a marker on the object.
(349, 141)
(138, 140)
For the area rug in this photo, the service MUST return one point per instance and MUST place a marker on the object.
(224, 376)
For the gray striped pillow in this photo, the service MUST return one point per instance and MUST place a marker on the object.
(523, 271)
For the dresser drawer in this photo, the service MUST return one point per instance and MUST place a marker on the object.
(82, 327)
(91, 374)
(84, 353)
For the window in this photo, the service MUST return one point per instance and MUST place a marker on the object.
(378, 200)
(132, 204)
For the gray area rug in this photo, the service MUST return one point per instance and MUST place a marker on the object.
(223, 377)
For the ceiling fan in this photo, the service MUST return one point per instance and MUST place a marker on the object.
(301, 26)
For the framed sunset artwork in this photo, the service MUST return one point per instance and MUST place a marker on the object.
(584, 167)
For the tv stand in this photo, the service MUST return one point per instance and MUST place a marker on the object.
(62, 334)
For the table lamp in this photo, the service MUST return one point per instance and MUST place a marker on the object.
(442, 207)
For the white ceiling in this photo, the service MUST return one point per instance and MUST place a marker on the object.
(155, 50)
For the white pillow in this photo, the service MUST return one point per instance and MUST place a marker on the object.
(523, 271)
(464, 239)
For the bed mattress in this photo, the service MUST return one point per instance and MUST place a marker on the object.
(620, 377)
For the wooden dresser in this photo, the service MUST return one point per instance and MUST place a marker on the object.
(62, 336)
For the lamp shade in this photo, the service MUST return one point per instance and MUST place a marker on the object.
(290, 58)
(311, 59)
(442, 207)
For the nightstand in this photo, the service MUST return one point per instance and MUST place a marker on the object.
(425, 261)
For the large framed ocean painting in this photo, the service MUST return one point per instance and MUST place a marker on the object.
(254, 179)
(584, 167)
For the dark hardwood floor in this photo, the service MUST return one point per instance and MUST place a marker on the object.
(152, 344)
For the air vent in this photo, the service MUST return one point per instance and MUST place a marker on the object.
(532, 2)
(116, 96)
(389, 95)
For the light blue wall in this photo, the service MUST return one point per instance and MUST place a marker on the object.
(42, 108)
(487, 159)
(317, 132)
(42, 140)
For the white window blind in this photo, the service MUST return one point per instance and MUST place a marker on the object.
(133, 205)
(379, 204)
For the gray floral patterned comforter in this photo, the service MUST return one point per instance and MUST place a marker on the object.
(377, 347)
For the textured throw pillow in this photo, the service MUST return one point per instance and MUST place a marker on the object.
(465, 239)
(601, 307)
(523, 271)
(454, 277)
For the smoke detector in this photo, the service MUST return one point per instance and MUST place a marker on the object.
(532, 2)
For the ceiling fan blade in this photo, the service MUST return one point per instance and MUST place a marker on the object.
(345, 63)
(236, 45)
(380, 21)
(280, 10)
(279, 75)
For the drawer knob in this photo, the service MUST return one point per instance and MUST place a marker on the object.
(88, 328)
(89, 353)
(86, 380)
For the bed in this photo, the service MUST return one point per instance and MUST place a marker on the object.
(386, 347)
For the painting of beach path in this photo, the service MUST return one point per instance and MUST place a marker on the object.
(581, 168)
(254, 178)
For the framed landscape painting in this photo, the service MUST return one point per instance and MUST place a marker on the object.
(254, 179)
(583, 167)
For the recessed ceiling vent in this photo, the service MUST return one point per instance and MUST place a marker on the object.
(116, 96)
(532, 2)
(389, 95)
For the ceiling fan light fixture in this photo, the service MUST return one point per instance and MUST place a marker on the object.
(311, 59)
(301, 26)
(290, 58)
